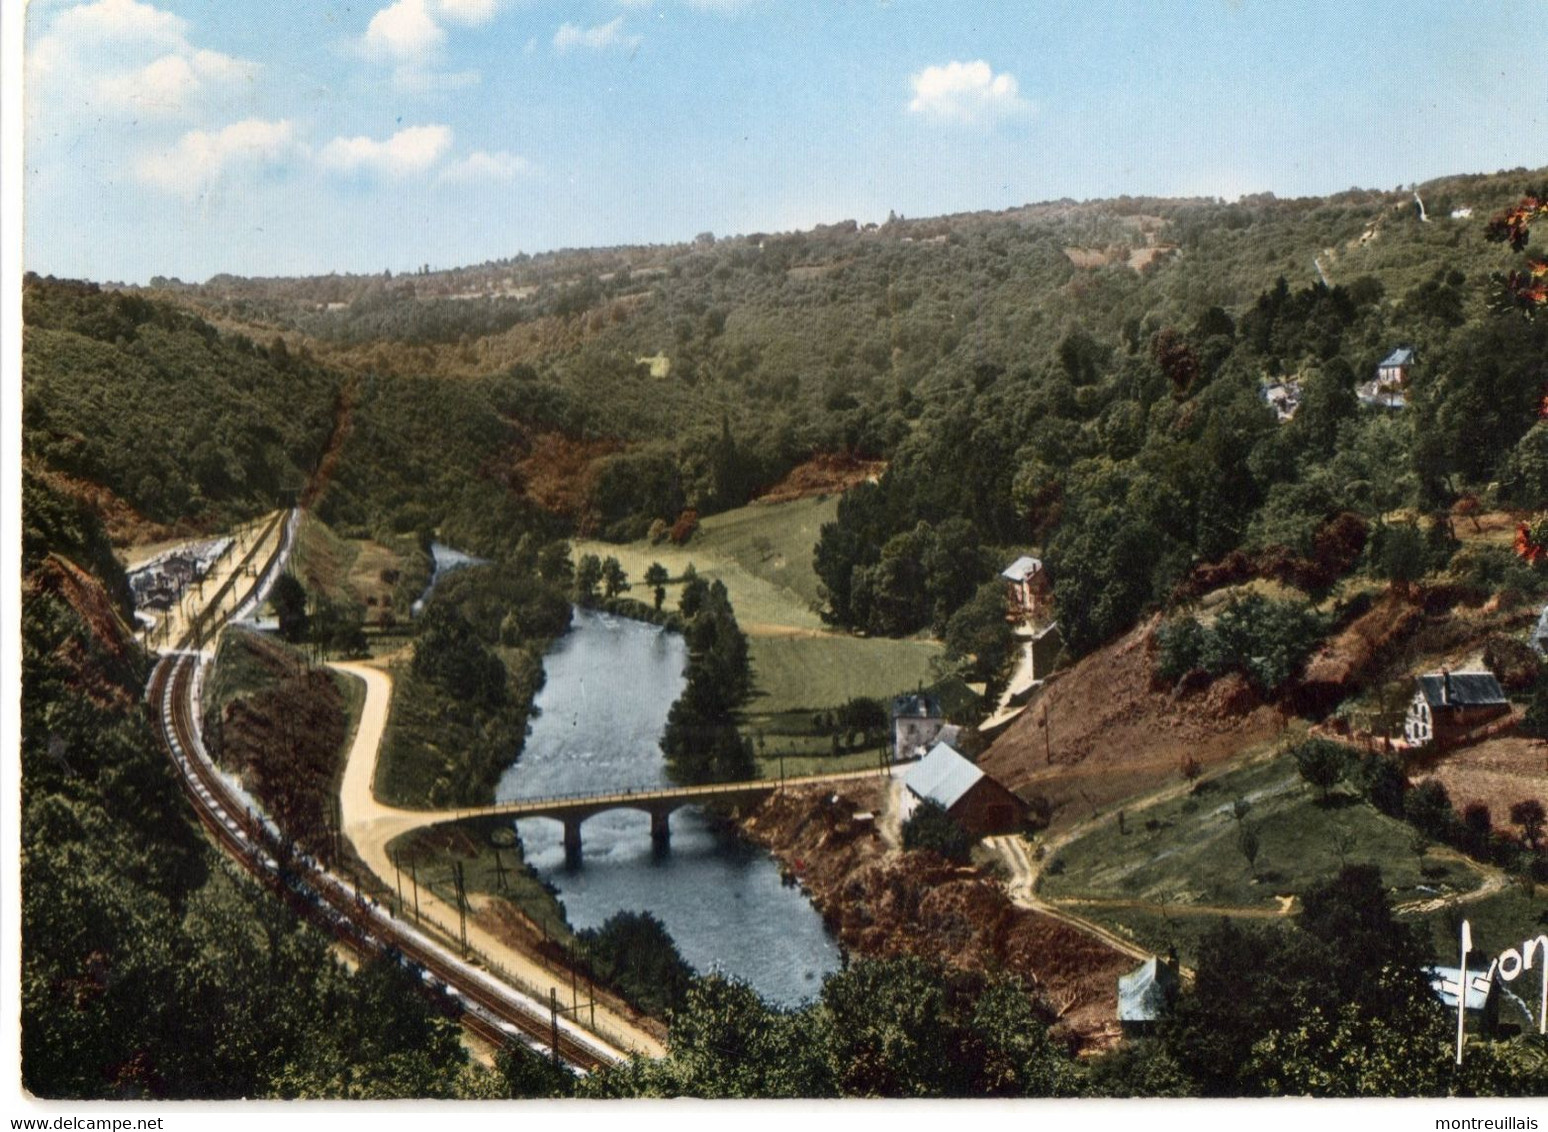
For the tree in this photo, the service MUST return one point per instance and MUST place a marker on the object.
(656, 577)
(614, 580)
(288, 597)
(931, 827)
(1248, 844)
(1322, 763)
(588, 573)
(634, 953)
(1530, 816)
(1525, 290)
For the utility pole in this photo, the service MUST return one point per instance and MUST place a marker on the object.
(397, 867)
(462, 906)
(553, 1020)
(414, 876)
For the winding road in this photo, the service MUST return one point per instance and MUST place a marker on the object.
(371, 826)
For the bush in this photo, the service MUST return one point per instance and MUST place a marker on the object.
(1322, 763)
(1512, 662)
(931, 827)
(1265, 640)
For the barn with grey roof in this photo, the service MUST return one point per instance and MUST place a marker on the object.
(978, 803)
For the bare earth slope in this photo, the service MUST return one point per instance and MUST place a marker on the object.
(883, 902)
(1111, 733)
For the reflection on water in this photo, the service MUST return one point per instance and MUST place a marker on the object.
(610, 683)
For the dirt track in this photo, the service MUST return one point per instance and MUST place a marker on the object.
(371, 826)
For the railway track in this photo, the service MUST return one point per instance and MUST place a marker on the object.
(483, 1004)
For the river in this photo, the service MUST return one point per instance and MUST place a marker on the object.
(445, 559)
(610, 682)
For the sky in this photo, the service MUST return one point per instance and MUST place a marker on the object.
(184, 138)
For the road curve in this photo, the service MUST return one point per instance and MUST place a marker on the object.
(371, 826)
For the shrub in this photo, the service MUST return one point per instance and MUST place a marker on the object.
(1264, 640)
(931, 827)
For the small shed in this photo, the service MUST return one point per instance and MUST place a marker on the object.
(949, 779)
(1144, 994)
(916, 723)
(1025, 578)
(1447, 704)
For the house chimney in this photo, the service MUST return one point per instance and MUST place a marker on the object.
(1446, 686)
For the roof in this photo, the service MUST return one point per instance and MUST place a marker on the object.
(1461, 689)
(1443, 981)
(1399, 357)
(921, 705)
(1143, 992)
(943, 776)
(1022, 569)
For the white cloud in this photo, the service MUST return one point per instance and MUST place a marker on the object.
(965, 92)
(480, 166)
(170, 84)
(403, 31)
(120, 21)
(202, 157)
(599, 38)
(469, 12)
(124, 57)
(410, 151)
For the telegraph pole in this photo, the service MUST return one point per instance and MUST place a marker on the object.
(462, 905)
(397, 867)
(553, 1020)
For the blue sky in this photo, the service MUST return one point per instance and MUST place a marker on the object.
(188, 137)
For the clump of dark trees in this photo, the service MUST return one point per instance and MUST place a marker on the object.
(701, 741)
(478, 663)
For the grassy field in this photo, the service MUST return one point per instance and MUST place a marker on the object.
(808, 673)
(763, 554)
(1184, 853)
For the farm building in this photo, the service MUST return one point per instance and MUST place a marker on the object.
(977, 802)
(1393, 369)
(1144, 993)
(1483, 998)
(916, 724)
(1284, 397)
(1025, 579)
(1388, 389)
(1448, 704)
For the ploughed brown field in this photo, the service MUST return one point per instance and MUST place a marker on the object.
(1497, 772)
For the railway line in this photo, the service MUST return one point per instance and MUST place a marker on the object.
(482, 1003)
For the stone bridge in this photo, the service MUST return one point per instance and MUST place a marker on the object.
(573, 809)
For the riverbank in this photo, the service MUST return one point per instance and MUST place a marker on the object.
(880, 901)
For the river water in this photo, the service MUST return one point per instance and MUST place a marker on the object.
(610, 682)
(446, 559)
